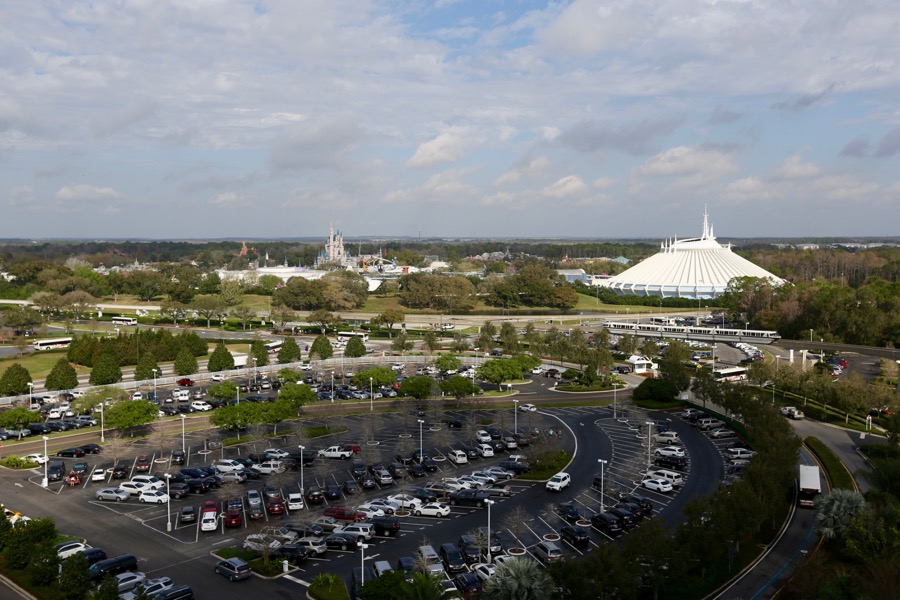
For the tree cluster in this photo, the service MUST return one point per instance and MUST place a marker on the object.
(338, 290)
(125, 347)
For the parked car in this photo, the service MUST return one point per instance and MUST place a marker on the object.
(234, 569)
(575, 535)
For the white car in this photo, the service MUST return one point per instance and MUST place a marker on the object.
(676, 451)
(98, 475)
(369, 511)
(217, 377)
(484, 450)
(137, 396)
(130, 580)
(152, 587)
(270, 466)
(720, 433)
(559, 482)
(537, 371)
(484, 571)
(259, 542)
(133, 487)
(227, 465)
(528, 407)
(151, 481)
(276, 452)
(254, 498)
(453, 484)
(432, 509)
(734, 453)
(67, 549)
(295, 501)
(457, 456)
(657, 485)
(201, 405)
(666, 437)
(482, 436)
(36, 458)
(405, 500)
(154, 497)
(470, 482)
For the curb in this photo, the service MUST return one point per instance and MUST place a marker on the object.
(15, 588)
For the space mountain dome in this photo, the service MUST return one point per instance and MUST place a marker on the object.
(698, 268)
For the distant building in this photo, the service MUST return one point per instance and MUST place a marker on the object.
(573, 275)
(334, 252)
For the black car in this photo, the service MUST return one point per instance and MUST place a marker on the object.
(468, 497)
(679, 463)
(188, 514)
(315, 495)
(416, 470)
(575, 535)
(304, 529)
(470, 451)
(169, 409)
(178, 457)
(568, 511)
(332, 492)
(71, 453)
(93, 555)
(645, 503)
(516, 467)
(455, 424)
(497, 445)
(358, 469)
(608, 523)
(386, 525)
(293, 553)
(368, 482)
(178, 490)
(637, 513)
(397, 470)
(627, 519)
(341, 541)
(270, 491)
(120, 471)
(193, 473)
(468, 583)
(252, 472)
(423, 494)
(470, 548)
(351, 487)
(80, 467)
(91, 448)
(495, 433)
(429, 464)
(112, 566)
(57, 426)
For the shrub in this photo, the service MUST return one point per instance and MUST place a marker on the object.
(17, 462)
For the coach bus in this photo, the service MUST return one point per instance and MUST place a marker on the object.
(810, 485)
(124, 321)
(346, 336)
(730, 374)
(274, 347)
(52, 344)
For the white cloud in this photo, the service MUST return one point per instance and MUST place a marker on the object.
(564, 187)
(795, 168)
(843, 187)
(444, 188)
(747, 189)
(604, 183)
(448, 146)
(227, 198)
(23, 195)
(523, 170)
(81, 191)
(691, 167)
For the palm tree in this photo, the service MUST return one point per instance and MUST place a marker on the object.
(519, 579)
(422, 587)
(836, 511)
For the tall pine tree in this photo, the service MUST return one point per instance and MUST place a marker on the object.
(145, 367)
(259, 351)
(220, 359)
(290, 351)
(185, 362)
(14, 380)
(62, 377)
(106, 369)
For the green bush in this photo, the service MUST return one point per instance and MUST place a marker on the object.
(328, 586)
(547, 464)
(246, 555)
(837, 472)
(17, 462)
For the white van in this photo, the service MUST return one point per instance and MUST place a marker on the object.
(431, 560)
(457, 456)
(671, 476)
(181, 395)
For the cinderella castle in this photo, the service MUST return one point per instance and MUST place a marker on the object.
(334, 252)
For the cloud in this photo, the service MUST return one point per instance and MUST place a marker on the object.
(228, 199)
(636, 139)
(856, 148)
(722, 115)
(603, 183)
(443, 188)
(805, 101)
(795, 168)
(23, 195)
(691, 166)
(81, 191)
(566, 186)
(842, 187)
(525, 169)
(122, 119)
(323, 145)
(889, 145)
(446, 147)
(747, 189)
(319, 199)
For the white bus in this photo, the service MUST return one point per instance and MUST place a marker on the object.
(731, 374)
(810, 485)
(346, 336)
(124, 321)
(54, 344)
(274, 347)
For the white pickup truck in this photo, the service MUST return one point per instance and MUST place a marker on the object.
(792, 412)
(335, 452)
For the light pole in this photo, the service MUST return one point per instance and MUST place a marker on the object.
(302, 448)
(421, 444)
(488, 503)
(168, 505)
(371, 396)
(332, 386)
(615, 389)
(649, 431)
(476, 365)
(362, 563)
(810, 336)
(183, 447)
(102, 425)
(254, 369)
(777, 358)
(602, 475)
(515, 415)
(46, 462)
(155, 397)
(31, 396)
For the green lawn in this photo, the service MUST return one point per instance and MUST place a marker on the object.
(39, 364)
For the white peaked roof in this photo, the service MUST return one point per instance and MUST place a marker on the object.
(691, 268)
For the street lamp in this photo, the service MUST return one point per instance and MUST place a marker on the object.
(421, 445)
(44, 481)
(476, 365)
(810, 336)
(30, 395)
(362, 563)
(302, 448)
(371, 396)
(254, 369)
(488, 503)
(102, 427)
(515, 415)
(155, 397)
(332, 386)
(777, 358)
(168, 505)
(602, 475)
(183, 447)
(615, 389)
(650, 425)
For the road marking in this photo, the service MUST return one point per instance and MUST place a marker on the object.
(297, 580)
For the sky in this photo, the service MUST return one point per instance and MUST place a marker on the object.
(449, 118)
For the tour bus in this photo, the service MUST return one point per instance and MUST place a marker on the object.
(53, 344)
(274, 347)
(348, 335)
(731, 374)
(810, 487)
(124, 321)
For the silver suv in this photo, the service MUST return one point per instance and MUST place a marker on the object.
(362, 531)
(547, 552)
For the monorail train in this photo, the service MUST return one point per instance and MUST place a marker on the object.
(712, 334)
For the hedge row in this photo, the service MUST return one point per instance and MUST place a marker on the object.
(837, 472)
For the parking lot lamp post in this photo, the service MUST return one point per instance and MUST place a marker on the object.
(488, 504)
(302, 448)
(102, 425)
(649, 431)
(515, 415)
(476, 365)
(362, 563)
(183, 447)
(155, 397)
(602, 476)
(615, 389)
(421, 445)
(30, 395)
(332, 386)
(371, 396)
(254, 370)
(44, 481)
(168, 505)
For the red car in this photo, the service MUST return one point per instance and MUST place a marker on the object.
(142, 463)
(275, 506)
(351, 447)
(233, 518)
(344, 513)
(186, 382)
(210, 506)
